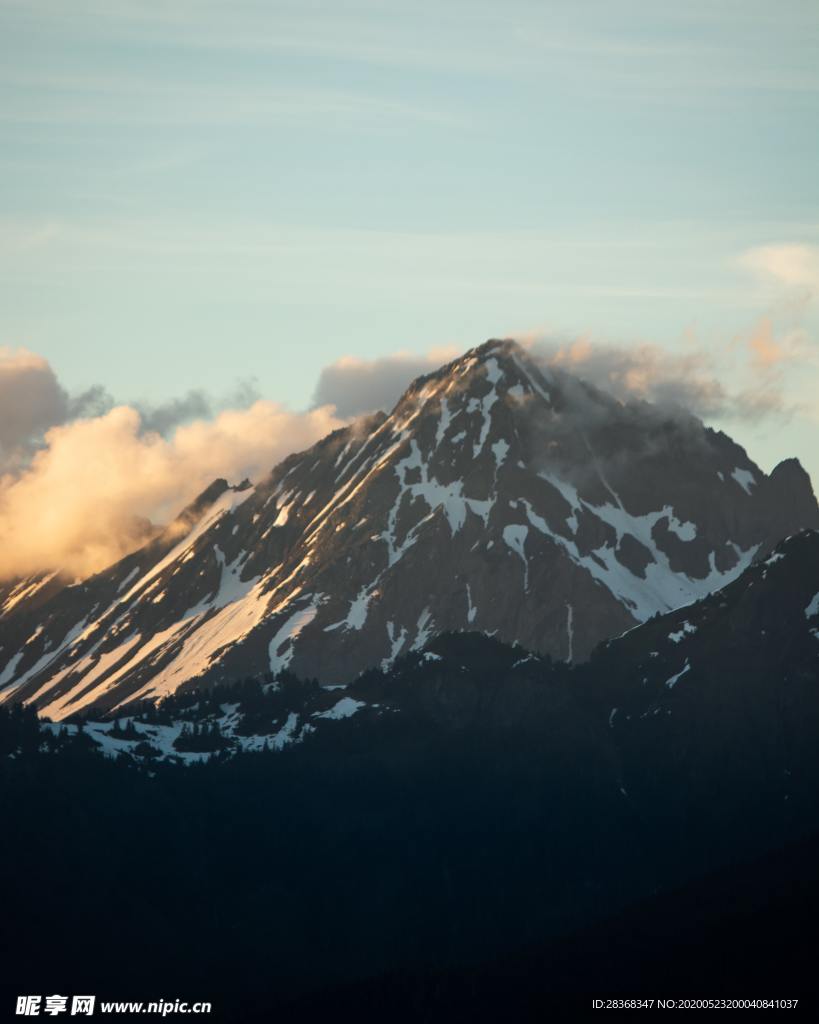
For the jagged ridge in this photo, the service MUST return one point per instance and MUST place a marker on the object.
(496, 497)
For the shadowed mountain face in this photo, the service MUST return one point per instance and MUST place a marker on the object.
(725, 689)
(495, 497)
(519, 801)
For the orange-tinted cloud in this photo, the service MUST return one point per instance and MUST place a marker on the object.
(84, 499)
(767, 352)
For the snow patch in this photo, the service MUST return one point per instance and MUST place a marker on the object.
(24, 590)
(131, 575)
(515, 536)
(397, 641)
(281, 647)
(570, 631)
(10, 669)
(283, 515)
(345, 708)
(685, 531)
(226, 504)
(670, 683)
(486, 408)
(686, 630)
(472, 611)
(357, 615)
(443, 422)
(500, 450)
(745, 479)
(449, 497)
(422, 630)
(493, 371)
(662, 589)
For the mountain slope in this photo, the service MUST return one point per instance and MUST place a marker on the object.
(519, 801)
(720, 702)
(495, 497)
(730, 678)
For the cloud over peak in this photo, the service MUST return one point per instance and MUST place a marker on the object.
(87, 494)
(82, 477)
(356, 386)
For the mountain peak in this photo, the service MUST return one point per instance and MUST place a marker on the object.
(495, 497)
(791, 472)
(507, 353)
(497, 369)
(497, 348)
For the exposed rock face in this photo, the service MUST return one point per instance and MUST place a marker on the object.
(495, 497)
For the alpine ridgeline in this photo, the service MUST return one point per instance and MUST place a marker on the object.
(498, 496)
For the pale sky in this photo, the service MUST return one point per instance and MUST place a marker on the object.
(196, 193)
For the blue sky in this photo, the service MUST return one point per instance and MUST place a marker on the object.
(194, 193)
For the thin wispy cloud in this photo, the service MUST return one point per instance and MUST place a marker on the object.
(118, 101)
(790, 266)
(708, 54)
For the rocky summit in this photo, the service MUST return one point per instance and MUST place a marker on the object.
(499, 496)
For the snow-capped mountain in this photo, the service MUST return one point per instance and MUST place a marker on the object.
(496, 496)
(733, 675)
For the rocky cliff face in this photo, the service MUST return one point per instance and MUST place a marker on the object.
(495, 497)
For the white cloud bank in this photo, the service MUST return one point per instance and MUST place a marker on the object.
(86, 495)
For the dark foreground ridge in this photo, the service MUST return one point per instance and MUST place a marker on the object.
(476, 828)
(733, 934)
